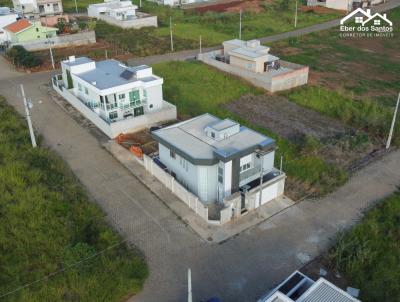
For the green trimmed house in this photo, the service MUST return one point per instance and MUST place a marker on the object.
(25, 30)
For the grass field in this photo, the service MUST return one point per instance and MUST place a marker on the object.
(48, 224)
(189, 25)
(354, 80)
(369, 254)
(206, 90)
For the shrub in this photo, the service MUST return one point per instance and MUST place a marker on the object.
(21, 57)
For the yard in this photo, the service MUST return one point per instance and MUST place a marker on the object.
(353, 80)
(50, 228)
(208, 90)
(368, 255)
(188, 25)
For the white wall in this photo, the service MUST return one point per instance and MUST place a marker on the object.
(4, 21)
(200, 180)
(339, 4)
(154, 97)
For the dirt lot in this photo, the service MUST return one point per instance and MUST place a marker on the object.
(141, 139)
(333, 141)
(95, 51)
(232, 6)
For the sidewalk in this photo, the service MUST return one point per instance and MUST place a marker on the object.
(208, 232)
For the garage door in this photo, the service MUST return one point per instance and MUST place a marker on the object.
(268, 193)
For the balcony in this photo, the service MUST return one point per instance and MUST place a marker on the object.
(250, 173)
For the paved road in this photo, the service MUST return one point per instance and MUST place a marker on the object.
(188, 54)
(241, 269)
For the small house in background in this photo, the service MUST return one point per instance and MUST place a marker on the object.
(346, 5)
(300, 288)
(25, 30)
(176, 2)
(121, 13)
(33, 9)
(6, 17)
(224, 164)
(115, 97)
(253, 62)
(250, 55)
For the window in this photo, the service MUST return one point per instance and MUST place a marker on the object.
(172, 154)
(359, 19)
(245, 167)
(213, 134)
(220, 175)
(37, 29)
(377, 22)
(121, 96)
(134, 95)
(113, 115)
(86, 90)
(79, 87)
(151, 106)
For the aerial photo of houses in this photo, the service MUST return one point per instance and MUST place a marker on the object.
(200, 150)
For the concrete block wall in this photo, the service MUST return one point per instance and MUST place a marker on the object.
(81, 38)
(191, 200)
(297, 76)
(144, 21)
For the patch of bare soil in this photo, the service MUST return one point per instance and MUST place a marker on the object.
(285, 118)
(334, 142)
(231, 6)
(96, 51)
(318, 9)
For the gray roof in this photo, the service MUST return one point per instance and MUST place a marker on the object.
(107, 74)
(189, 140)
(78, 61)
(327, 292)
(221, 125)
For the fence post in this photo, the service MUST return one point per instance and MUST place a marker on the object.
(173, 185)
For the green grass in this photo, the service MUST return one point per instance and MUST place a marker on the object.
(197, 88)
(367, 115)
(189, 25)
(7, 3)
(47, 223)
(369, 254)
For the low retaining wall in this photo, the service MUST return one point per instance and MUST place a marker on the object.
(191, 200)
(81, 38)
(112, 130)
(297, 76)
(142, 21)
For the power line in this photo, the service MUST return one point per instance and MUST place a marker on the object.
(63, 269)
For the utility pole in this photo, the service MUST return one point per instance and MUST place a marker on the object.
(240, 24)
(76, 7)
(295, 15)
(51, 54)
(200, 43)
(280, 167)
(190, 285)
(170, 32)
(140, 3)
(106, 54)
(28, 117)
(393, 124)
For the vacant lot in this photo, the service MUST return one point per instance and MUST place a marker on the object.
(313, 132)
(197, 88)
(214, 27)
(353, 80)
(49, 226)
(368, 254)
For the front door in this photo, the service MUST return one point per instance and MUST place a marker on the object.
(138, 111)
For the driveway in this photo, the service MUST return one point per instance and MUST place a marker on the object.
(241, 269)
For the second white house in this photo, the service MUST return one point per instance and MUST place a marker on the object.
(115, 97)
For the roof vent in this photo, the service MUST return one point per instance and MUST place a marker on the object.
(71, 58)
(94, 83)
(253, 43)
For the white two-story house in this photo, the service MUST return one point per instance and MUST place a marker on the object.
(216, 158)
(120, 98)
